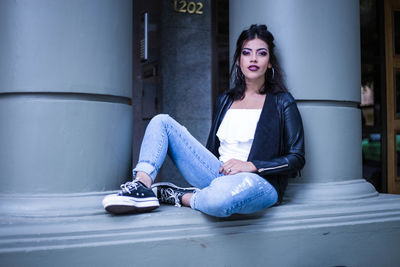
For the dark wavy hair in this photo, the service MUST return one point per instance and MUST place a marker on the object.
(274, 81)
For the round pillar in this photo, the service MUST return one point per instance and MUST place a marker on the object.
(65, 102)
(320, 55)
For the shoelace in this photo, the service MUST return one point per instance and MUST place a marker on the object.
(129, 186)
(170, 196)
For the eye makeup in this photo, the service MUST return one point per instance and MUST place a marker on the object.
(260, 51)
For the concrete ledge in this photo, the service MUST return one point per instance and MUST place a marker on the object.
(354, 233)
(52, 205)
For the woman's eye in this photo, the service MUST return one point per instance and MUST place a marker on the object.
(245, 53)
(263, 53)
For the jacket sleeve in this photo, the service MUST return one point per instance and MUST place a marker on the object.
(292, 159)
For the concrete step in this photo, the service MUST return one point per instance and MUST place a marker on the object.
(352, 233)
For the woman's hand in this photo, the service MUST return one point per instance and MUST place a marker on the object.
(234, 166)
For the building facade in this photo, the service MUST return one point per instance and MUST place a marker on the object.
(80, 79)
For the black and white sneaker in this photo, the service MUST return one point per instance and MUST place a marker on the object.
(171, 194)
(133, 197)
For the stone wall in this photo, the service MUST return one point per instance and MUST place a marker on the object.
(186, 73)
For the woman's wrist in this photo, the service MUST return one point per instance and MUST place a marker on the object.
(252, 167)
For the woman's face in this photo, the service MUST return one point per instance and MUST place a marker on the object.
(254, 60)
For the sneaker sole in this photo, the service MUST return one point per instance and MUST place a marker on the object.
(120, 204)
(173, 186)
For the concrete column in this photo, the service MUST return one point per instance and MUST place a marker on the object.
(318, 45)
(65, 94)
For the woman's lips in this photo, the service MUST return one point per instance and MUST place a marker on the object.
(253, 68)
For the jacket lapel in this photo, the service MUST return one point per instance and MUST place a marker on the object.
(267, 136)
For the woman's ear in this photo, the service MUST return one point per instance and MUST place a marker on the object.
(269, 65)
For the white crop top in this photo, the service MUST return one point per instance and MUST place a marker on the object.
(236, 133)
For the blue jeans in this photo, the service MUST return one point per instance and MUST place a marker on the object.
(220, 195)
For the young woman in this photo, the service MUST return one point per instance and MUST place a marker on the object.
(255, 144)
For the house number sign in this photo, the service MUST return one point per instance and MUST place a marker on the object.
(188, 7)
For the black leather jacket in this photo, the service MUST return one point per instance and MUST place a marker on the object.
(278, 147)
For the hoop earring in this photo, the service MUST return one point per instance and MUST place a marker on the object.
(273, 73)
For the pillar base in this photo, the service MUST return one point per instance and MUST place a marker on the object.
(356, 189)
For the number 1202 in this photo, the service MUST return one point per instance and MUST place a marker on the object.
(189, 7)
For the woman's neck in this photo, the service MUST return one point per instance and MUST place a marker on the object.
(254, 86)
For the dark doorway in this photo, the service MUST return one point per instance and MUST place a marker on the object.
(146, 95)
(373, 93)
(220, 46)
